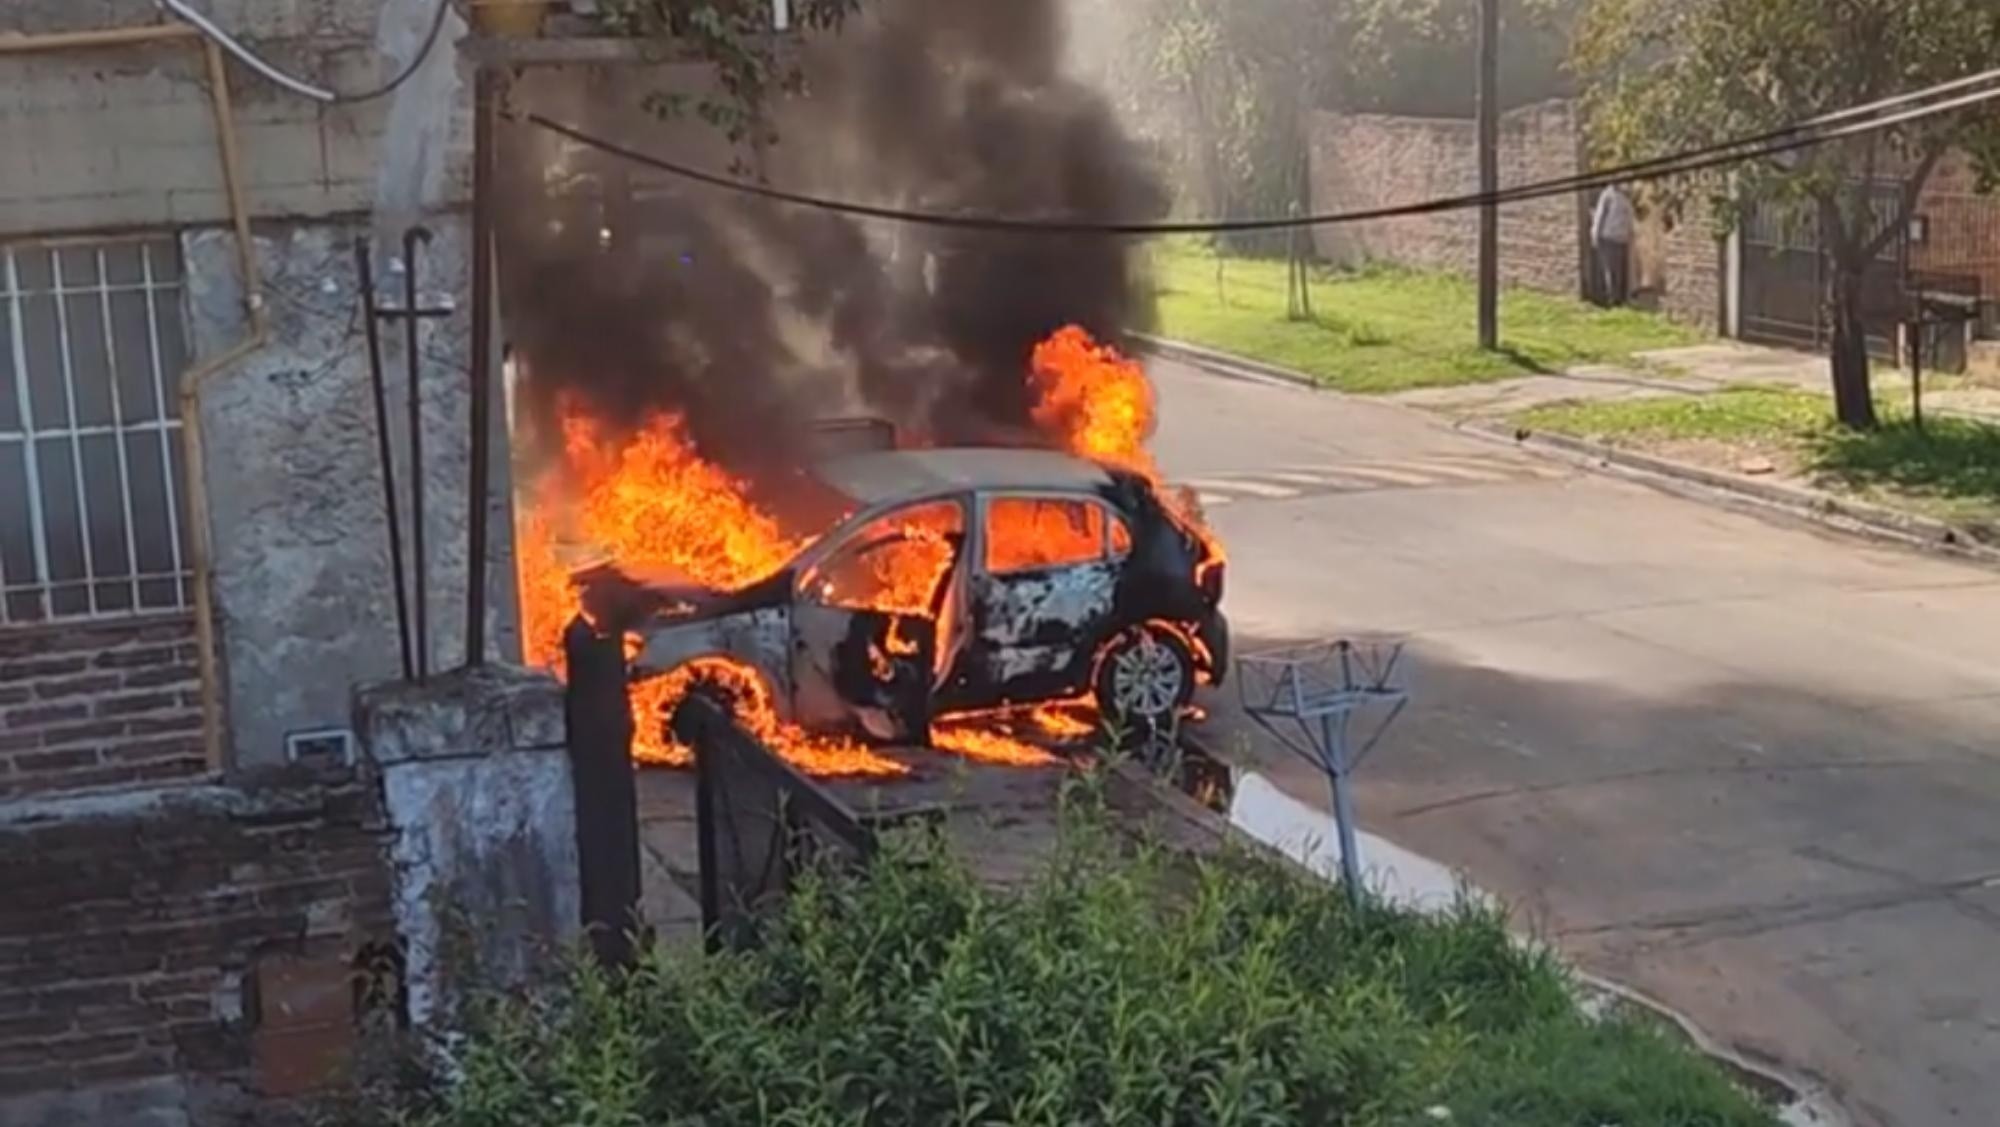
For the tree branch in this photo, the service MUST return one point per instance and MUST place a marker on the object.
(1913, 189)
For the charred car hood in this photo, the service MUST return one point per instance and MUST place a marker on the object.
(620, 602)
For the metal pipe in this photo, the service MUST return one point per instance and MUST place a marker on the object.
(412, 238)
(364, 266)
(89, 40)
(482, 367)
(200, 536)
(216, 36)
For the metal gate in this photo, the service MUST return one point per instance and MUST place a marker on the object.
(1787, 276)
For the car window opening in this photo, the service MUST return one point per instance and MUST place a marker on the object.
(896, 564)
(1031, 533)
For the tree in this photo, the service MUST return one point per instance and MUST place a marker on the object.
(735, 37)
(1668, 75)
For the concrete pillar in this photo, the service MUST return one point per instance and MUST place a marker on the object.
(476, 783)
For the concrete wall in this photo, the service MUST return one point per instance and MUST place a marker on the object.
(125, 136)
(476, 779)
(1373, 160)
(301, 547)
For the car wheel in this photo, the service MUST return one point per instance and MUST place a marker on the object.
(1144, 678)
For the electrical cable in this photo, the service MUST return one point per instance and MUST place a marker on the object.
(251, 59)
(1836, 116)
(1800, 135)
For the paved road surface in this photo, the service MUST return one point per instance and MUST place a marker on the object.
(1752, 769)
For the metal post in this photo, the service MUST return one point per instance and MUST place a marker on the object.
(1333, 727)
(598, 711)
(1917, 370)
(411, 239)
(365, 266)
(1489, 174)
(477, 499)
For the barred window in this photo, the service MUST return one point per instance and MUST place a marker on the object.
(91, 354)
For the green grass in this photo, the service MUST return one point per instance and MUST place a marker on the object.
(1949, 469)
(1384, 330)
(1738, 415)
(1113, 989)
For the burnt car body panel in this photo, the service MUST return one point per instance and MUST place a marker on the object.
(987, 638)
(1030, 622)
(864, 669)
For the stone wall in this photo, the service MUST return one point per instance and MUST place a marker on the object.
(99, 704)
(302, 579)
(126, 136)
(1362, 161)
(168, 955)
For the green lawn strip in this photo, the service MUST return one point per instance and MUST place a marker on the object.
(1950, 469)
(1383, 330)
(1113, 988)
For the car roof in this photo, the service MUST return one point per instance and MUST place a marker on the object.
(885, 477)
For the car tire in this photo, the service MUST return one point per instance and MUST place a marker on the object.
(1144, 678)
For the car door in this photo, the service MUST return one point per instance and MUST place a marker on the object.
(1042, 595)
(865, 622)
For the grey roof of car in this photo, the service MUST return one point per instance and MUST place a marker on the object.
(908, 475)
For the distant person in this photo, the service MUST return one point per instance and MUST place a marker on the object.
(1611, 237)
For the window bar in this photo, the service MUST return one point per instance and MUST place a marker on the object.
(117, 431)
(31, 463)
(75, 440)
(165, 411)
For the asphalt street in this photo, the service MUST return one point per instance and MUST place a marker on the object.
(1749, 768)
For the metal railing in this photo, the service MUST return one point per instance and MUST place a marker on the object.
(91, 350)
(760, 823)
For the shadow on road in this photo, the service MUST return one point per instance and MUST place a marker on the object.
(1812, 882)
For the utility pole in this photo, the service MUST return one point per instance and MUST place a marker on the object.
(1489, 174)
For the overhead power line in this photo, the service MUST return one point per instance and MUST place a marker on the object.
(1854, 121)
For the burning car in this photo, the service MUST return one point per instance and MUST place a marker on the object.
(960, 579)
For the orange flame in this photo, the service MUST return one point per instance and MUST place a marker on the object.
(1097, 403)
(649, 500)
(652, 500)
(653, 701)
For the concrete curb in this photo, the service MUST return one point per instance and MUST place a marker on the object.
(1800, 1102)
(1855, 518)
(1223, 363)
(1860, 518)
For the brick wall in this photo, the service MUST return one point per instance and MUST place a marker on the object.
(191, 944)
(1678, 270)
(1961, 247)
(92, 705)
(1375, 160)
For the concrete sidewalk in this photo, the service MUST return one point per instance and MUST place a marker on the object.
(1693, 370)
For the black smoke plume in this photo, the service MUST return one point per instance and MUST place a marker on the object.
(751, 319)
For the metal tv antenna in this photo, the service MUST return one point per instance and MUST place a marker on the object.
(1321, 690)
